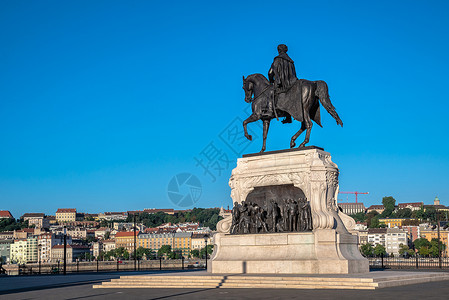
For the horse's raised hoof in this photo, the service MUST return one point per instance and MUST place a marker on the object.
(292, 144)
(249, 137)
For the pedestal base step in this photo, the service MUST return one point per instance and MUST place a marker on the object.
(368, 281)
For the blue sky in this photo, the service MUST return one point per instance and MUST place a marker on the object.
(103, 102)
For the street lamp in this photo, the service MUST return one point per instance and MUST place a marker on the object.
(65, 249)
(206, 237)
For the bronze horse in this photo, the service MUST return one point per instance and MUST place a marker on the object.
(301, 101)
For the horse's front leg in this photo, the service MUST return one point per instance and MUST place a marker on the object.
(250, 119)
(266, 126)
(292, 141)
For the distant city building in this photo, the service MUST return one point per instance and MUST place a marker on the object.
(46, 241)
(126, 240)
(413, 232)
(155, 241)
(32, 249)
(412, 206)
(36, 219)
(108, 245)
(5, 250)
(6, 235)
(51, 220)
(198, 241)
(362, 236)
(377, 236)
(100, 233)
(393, 222)
(5, 214)
(113, 216)
(18, 252)
(97, 247)
(65, 215)
(24, 233)
(352, 208)
(394, 237)
(428, 233)
(169, 211)
(378, 208)
(73, 252)
(88, 224)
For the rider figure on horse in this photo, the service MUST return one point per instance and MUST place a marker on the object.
(282, 76)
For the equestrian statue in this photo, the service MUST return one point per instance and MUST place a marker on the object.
(286, 96)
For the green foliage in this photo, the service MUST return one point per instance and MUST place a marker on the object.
(404, 250)
(12, 224)
(389, 205)
(379, 250)
(430, 214)
(374, 222)
(421, 243)
(418, 214)
(195, 253)
(359, 217)
(207, 217)
(434, 249)
(142, 252)
(116, 253)
(210, 249)
(175, 254)
(424, 251)
(164, 250)
(370, 216)
(367, 249)
(403, 213)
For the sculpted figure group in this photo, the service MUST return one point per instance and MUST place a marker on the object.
(287, 215)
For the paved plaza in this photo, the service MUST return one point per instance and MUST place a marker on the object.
(79, 286)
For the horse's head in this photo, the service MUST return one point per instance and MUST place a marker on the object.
(248, 88)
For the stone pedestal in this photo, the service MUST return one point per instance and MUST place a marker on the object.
(329, 249)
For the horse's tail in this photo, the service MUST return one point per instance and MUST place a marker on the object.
(323, 94)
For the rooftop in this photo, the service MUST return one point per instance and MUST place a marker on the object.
(5, 214)
(66, 210)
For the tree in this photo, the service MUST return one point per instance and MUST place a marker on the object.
(424, 251)
(195, 253)
(418, 214)
(434, 249)
(367, 249)
(210, 249)
(379, 250)
(175, 254)
(389, 205)
(404, 250)
(404, 213)
(421, 243)
(370, 216)
(164, 250)
(142, 252)
(430, 214)
(359, 217)
(374, 222)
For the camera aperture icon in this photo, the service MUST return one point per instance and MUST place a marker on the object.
(184, 189)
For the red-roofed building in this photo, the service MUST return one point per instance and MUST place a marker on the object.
(66, 215)
(125, 239)
(169, 211)
(5, 214)
(413, 205)
(378, 208)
